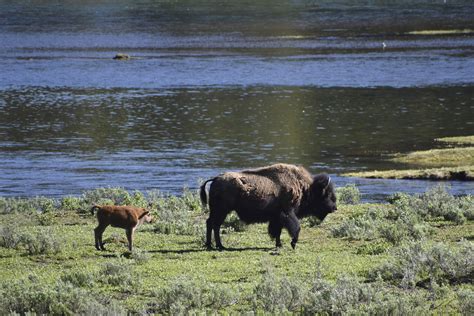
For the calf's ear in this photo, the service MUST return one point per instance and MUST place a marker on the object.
(144, 214)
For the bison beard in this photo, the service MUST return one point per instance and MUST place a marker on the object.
(278, 194)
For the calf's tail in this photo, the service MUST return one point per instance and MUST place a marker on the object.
(95, 207)
(203, 193)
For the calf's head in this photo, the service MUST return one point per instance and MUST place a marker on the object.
(145, 217)
(323, 196)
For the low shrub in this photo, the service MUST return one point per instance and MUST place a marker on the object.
(278, 294)
(347, 295)
(79, 278)
(27, 205)
(393, 225)
(177, 215)
(436, 203)
(373, 248)
(42, 241)
(348, 194)
(141, 256)
(185, 295)
(119, 273)
(361, 227)
(182, 296)
(466, 301)
(48, 218)
(424, 264)
(70, 203)
(233, 223)
(10, 236)
(31, 296)
(113, 196)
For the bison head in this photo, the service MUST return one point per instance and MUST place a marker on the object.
(323, 196)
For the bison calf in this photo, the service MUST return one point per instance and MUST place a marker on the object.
(279, 194)
(126, 217)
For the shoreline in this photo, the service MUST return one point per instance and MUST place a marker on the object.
(446, 164)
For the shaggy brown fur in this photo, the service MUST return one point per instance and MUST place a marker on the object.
(126, 217)
(278, 194)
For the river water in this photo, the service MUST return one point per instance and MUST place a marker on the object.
(335, 86)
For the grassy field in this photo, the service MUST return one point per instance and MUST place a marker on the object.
(455, 163)
(411, 256)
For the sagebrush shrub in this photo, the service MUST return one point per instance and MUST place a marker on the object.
(79, 278)
(114, 196)
(278, 294)
(233, 223)
(29, 296)
(70, 203)
(178, 215)
(436, 203)
(10, 236)
(43, 241)
(466, 301)
(141, 256)
(182, 296)
(119, 273)
(348, 194)
(425, 263)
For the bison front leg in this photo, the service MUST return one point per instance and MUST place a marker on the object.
(274, 230)
(292, 224)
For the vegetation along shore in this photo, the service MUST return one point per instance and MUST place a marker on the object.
(453, 163)
(413, 255)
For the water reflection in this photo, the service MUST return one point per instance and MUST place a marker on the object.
(59, 140)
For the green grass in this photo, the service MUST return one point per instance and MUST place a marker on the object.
(455, 163)
(170, 271)
(448, 157)
(448, 173)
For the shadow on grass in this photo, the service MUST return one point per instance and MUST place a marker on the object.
(204, 249)
(128, 254)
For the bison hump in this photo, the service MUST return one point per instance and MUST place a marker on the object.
(282, 181)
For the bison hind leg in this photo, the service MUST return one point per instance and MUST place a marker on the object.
(214, 222)
(208, 234)
(292, 224)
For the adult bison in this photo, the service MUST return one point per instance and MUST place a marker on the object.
(279, 194)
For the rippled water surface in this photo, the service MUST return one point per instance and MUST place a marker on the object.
(332, 85)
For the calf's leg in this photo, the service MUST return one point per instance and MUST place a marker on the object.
(129, 232)
(98, 231)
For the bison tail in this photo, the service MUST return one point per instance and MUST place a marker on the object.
(203, 194)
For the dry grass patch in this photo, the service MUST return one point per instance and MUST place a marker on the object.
(461, 140)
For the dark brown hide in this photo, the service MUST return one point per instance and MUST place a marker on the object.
(126, 217)
(278, 194)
